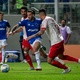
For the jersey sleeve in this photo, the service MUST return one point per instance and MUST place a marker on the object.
(8, 25)
(44, 24)
(21, 23)
(69, 30)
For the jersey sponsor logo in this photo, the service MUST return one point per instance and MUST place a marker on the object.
(32, 30)
(2, 28)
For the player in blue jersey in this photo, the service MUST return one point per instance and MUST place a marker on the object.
(32, 26)
(4, 33)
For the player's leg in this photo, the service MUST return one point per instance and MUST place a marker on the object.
(43, 47)
(0, 54)
(0, 51)
(43, 53)
(56, 63)
(3, 53)
(22, 50)
(59, 65)
(36, 47)
(27, 47)
(28, 58)
(67, 57)
(3, 46)
(54, 51)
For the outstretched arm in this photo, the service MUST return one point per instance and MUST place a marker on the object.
(14, 28)
(41, 32)
(8, 30)
(17, 30)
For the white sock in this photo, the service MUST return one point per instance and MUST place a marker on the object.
(78, 60)
(0, 54)
(37, 56)
(3, 54)
(59, 60)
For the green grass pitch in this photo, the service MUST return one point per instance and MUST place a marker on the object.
(20, 71)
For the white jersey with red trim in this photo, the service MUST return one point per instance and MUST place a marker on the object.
(52, 32)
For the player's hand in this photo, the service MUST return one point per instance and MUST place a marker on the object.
(10, 33)
(28, 38)
(7, 35)
(65, 42)
(13, 32)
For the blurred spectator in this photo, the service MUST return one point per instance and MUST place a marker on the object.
(75, 0)
(1, 5)
(49, 0)
(4, 5)
(13, 2)
(39, 0)
(25, 2)
(66, 7)
(19, 4)
(49, 8)
(65, 31)
(66, 10)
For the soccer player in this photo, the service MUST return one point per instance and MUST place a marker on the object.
(51, 28)
(4, 33)
(65, 31)
(24, 16)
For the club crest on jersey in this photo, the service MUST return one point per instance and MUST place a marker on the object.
(28, 24)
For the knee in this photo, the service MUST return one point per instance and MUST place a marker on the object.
(49, 62)
(34, 50)
(26, 50)
(61, 56)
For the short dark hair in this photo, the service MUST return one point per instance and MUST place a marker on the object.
(42, 10)
(64, 20)
(32, 11)
(25, 8)
(1, 12)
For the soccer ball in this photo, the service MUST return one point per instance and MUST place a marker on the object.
(5, 68)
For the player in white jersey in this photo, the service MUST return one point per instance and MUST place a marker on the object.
(51, 28)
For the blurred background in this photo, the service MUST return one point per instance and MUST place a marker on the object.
(67, 9)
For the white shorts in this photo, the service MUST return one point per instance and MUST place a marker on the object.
(37, 40)
(3, 42)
